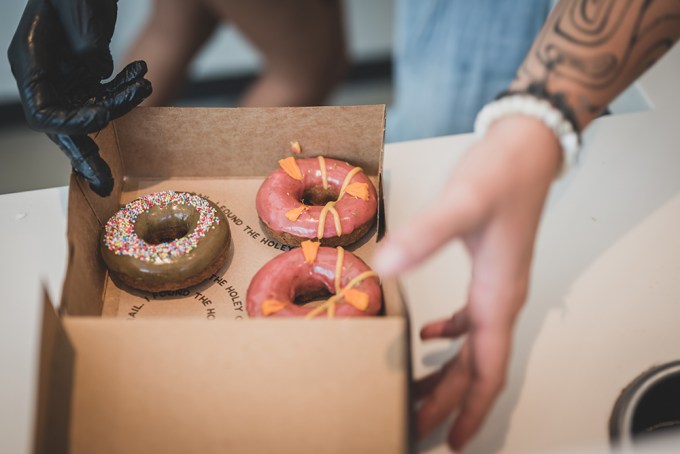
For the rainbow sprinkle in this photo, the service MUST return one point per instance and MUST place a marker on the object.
(120, 236)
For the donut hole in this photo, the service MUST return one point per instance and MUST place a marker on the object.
(163, 225)
(318, 196)
(166, 232)
(311, 294)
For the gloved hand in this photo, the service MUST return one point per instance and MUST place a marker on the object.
(59, 56)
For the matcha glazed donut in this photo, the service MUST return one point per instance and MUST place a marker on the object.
(166, 241)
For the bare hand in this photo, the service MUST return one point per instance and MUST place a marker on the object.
(493, 203)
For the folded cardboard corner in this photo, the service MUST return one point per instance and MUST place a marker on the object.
(55, 383)
(169, 383)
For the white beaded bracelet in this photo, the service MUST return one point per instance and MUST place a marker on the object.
(526, 104)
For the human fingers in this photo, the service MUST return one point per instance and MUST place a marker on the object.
(489, 353)
(444, 393)
(453, 213)
(424, 385)
(85, 160)
(125, 91)
(451, 327)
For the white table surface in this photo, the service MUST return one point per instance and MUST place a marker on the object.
(604, 302)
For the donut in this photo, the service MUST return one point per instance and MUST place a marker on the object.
(166, 241)
(320, 199)
(349, 287)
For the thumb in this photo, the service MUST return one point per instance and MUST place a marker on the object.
(453, 214)
(85, 160)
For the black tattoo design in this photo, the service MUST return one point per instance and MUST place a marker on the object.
(596, 42)
(600, 45)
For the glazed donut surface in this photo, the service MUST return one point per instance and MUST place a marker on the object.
(166, 241)
(317, 198)
(351, 287)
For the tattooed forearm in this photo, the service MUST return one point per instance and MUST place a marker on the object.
(590, 50)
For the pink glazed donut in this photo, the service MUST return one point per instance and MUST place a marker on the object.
(317, 198)
(349, 287)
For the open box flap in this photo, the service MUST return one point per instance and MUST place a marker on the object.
(87, 213)
(85, 274)
(55, 384)
(210, 142)
(393, 294)
(104, 207)
(168, 385)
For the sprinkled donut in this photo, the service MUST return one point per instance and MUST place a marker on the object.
(166, 241)
(350, 287)
(319, 199)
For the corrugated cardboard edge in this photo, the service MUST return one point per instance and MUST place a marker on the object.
(84, 261)
(55, 384)
(109, 150)
(267, 407)
(394, 287)
(381, 218)
(393, 290)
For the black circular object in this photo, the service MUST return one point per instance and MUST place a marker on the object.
(650, 405)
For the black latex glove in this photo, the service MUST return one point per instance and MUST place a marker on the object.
(59, 56)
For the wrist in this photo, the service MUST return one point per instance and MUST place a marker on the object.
(529, 146)
(537, 103)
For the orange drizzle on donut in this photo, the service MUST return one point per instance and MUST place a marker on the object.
(325, 306)
(290, 166)
(358, 279)
(347, 179)
(348, 293)
(272, 306)
(357, 298)
(294, 214)
(338, 268)
(329, 207)
(310, 249)
(324, 173)
(358, 190)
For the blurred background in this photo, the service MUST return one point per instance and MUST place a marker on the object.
(218, 76)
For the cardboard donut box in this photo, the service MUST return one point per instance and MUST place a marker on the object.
(124, 371)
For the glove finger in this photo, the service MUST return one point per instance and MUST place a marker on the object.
(125, 98)
(62, 120)
(132, 72)
(44, 112)
(85, 160)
